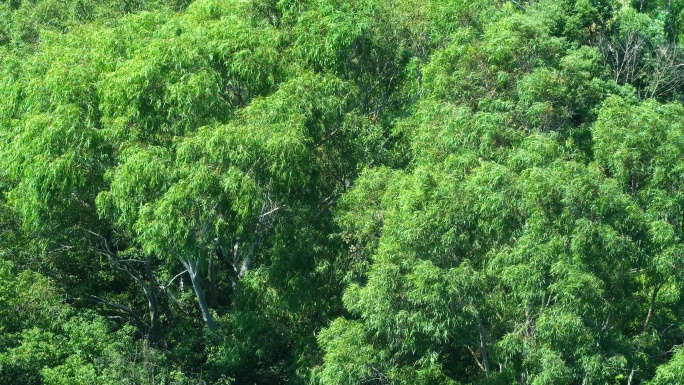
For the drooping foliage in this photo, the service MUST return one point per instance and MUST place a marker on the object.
(341, 192)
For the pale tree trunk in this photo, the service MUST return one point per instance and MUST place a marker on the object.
(152, 299)
(247, 263)
(192, 267)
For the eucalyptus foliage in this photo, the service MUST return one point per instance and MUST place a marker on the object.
(341, 192)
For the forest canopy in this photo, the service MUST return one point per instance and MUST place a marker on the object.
(342, 192)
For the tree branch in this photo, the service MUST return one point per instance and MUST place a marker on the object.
(651, 307)
(122, 308)
(247, 263)
(173, 279)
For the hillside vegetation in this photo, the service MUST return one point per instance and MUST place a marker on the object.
(342, 192)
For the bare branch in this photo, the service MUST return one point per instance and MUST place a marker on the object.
(477, 360)
(173, 279)
(268, 213)
(122, 308)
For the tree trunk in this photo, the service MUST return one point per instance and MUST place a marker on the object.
(211, 277)
(247, 263)
(196, 280)
(152, 300)
(149, 287)
(483, 343)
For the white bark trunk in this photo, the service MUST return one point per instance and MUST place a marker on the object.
(191, 266)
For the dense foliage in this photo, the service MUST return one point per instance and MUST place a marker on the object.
(342, 192)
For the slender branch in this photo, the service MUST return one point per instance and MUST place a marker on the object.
(268, 213)
(173, 279)
(483, 343)
(132, 260)
(652, 305)
(517, 4)
(116, 317)
(120, 307)
(380, 150)
(177, 302)
(147, 286)
(477, 360)
(548, 300)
